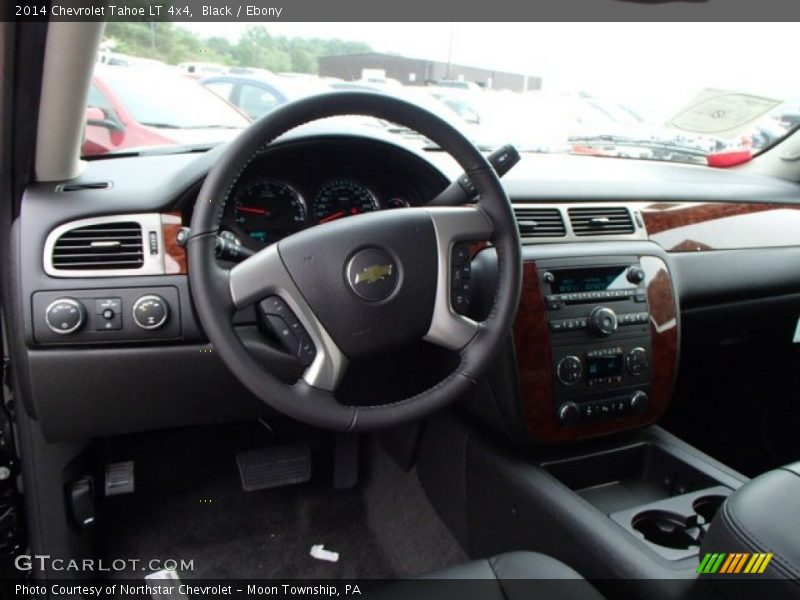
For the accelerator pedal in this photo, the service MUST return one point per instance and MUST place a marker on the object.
(275, 466)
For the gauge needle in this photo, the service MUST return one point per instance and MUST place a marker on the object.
(254, 210)
(333, 217)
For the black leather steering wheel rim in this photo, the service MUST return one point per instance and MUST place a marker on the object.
(213, 291)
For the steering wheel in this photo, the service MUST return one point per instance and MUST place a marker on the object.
(356, 286)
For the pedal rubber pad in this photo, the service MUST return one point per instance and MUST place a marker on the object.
(120, 478)
(275, 466)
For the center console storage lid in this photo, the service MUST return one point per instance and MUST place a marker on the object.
(761, 517)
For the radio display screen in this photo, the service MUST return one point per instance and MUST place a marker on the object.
(588, 280)
(599, 367)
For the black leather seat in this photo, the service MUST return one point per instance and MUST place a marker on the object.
(511, 576)
(761, 517)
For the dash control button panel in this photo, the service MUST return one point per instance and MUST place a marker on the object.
(107, 314)
(288, 329)
(460, 276)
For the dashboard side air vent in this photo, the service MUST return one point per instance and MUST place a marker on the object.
(601, 220)
(112, 245)
(539, 222)
(77, 187)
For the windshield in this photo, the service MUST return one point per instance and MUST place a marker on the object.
(160, 99)
(624, 90)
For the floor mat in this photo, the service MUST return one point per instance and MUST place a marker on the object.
(189, 505)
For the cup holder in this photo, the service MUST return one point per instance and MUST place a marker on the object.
(668, 529)
(707, 506)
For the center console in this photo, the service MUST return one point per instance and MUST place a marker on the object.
(596, 344)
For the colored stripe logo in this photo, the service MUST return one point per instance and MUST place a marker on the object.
(734, 563)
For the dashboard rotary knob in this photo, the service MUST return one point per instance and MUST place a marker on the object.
(150, 311)
(640, 402)
(568, 413)
(603, 320)
(65, 315)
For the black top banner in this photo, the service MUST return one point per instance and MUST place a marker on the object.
(407, 11)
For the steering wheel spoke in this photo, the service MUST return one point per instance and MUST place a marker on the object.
(263, 278)
(454, 225)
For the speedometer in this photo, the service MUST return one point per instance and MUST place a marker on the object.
(268, 210)
(342, 198)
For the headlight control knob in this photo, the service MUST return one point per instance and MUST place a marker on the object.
(150, 311)
(65, 315)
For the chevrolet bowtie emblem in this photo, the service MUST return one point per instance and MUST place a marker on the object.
(374, 273)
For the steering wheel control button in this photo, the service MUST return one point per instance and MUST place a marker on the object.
(284, 333)
(372, 274)
(460, 275)
(288, 329)
(636, 361)
(569, 370)
(150, 311)
(461, 256)
(65, 315)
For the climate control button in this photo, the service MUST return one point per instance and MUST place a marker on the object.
(569, 370)
(65, 315)
(150, 311)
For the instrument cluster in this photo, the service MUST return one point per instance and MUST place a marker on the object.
(265, 209)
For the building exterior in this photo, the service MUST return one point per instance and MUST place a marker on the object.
(414, 71)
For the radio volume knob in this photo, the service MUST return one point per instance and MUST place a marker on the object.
(150, 311)
(603, 320)
(635, 274)
(65, 315)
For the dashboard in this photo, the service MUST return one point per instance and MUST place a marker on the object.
(297, 186)
(700, 235)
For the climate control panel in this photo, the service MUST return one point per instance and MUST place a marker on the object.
(100, 316)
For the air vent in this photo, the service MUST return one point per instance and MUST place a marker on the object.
(112, 245)
(77, 187)
(602, 220)
(539, 222)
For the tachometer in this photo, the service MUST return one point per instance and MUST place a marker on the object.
(342, 198)
(268, 210)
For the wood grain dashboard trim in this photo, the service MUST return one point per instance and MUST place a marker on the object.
(535, 368)
(174, 254)
(705, 226)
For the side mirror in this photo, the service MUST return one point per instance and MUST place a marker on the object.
(99, 118)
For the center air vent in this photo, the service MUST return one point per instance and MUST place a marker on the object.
(603, 220)
(539, 222)
(112, 245)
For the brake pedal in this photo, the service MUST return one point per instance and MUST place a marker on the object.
(275, 466)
